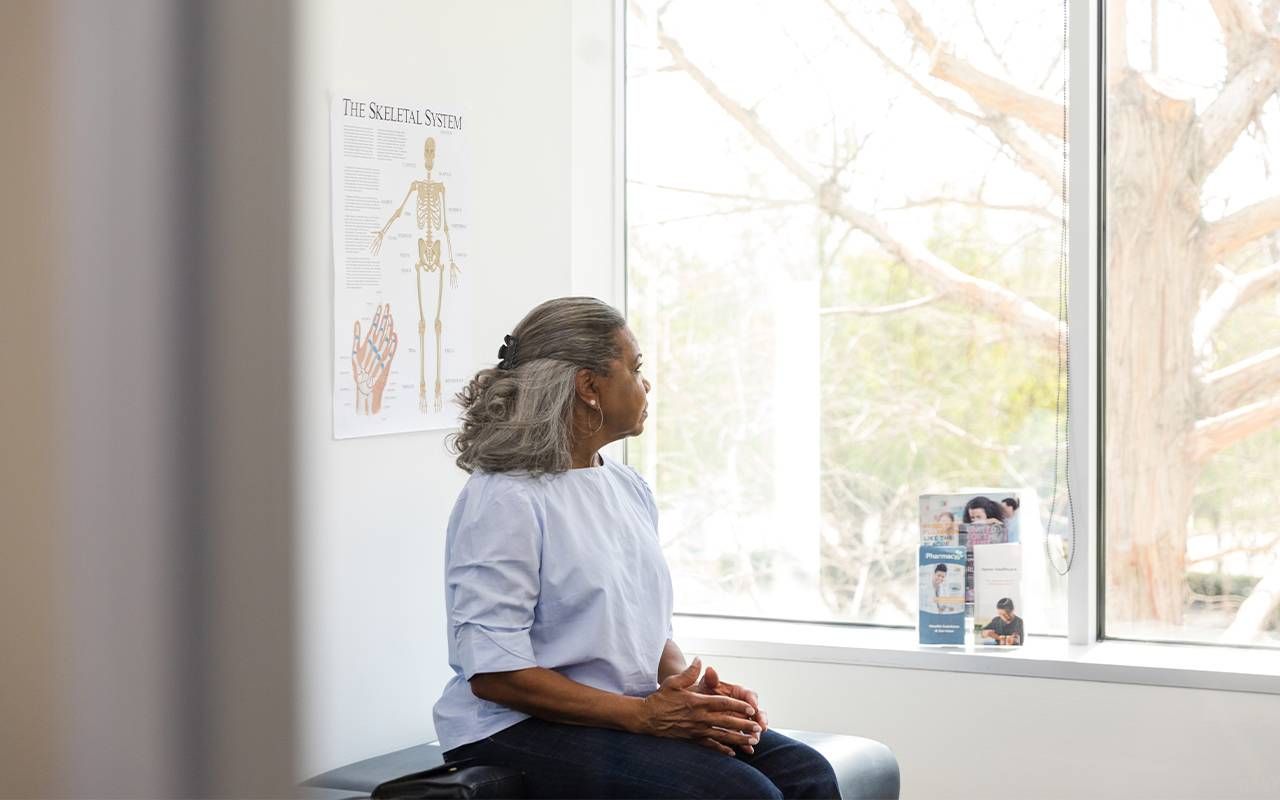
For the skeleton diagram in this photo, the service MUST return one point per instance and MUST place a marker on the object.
(432, 216)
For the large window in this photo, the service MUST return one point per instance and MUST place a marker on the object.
(844, 231)
(1192, 355)
(844, 227)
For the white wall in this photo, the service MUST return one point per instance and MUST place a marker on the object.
(372, 512)
(961, 735)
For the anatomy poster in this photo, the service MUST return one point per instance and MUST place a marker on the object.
(402, 275)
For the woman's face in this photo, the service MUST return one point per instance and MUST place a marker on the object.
(978, 514)
(624, 393)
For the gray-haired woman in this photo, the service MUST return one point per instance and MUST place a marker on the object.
(559, 599)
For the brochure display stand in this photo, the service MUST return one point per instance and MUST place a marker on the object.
(970, 568)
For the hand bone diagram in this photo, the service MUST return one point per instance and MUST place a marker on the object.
(371, 359)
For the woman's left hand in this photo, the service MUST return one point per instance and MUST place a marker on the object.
(711, 684)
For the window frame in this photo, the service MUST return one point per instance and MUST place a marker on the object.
(1086, 604)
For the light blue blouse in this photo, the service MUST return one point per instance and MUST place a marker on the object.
(563, 572)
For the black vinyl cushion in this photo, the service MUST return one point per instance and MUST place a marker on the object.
(865, 768)
(457, 780)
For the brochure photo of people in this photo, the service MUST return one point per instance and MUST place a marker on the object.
(997, 575)
(942, 584)
(1005, 627)
(993, 515)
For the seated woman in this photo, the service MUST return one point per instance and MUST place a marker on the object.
(559, 599)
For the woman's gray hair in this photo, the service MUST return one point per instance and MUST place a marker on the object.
(520, 419)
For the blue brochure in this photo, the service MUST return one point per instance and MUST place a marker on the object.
(942, 583)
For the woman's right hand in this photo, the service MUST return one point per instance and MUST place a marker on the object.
(721, 723)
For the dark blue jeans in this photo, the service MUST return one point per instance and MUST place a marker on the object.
(574, 761)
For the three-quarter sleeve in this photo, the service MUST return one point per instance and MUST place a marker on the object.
(492, 582)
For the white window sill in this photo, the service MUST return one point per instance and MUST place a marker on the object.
(1187, 666)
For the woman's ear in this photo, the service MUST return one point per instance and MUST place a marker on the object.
(585, 383)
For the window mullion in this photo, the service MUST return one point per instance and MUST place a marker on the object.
(1084, 251)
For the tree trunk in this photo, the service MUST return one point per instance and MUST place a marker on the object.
(1155, 268)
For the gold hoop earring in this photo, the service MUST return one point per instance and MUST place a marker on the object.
(601, 425)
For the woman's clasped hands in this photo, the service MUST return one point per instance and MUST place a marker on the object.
(704, 711)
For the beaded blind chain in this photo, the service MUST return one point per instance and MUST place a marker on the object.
(1061, 439)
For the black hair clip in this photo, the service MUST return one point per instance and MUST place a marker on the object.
(507, 353)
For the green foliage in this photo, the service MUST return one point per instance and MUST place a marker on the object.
(929, 399)
(943, 395)
(1237, 492)
(713, 347)
(1216, 584)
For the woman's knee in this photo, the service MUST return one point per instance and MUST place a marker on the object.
(737, 780)
(822, 781)
(797, 768)
(814, 775)
(815, 763)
